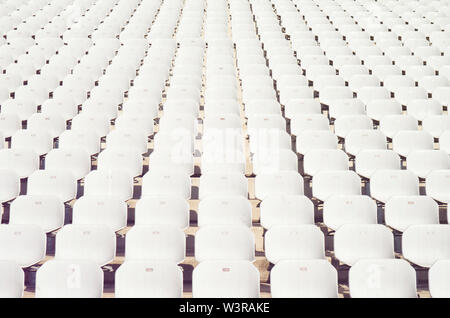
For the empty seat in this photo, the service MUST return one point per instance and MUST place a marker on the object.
(328, 183)
(162, 210)
(24, 244)
(439, 279)
(224, 210)
(121, 159)
(281, 209)
(93, 242)
(385, 184)
(367, 162)
(408, 141)
(423, 162)
(424, 244)
(402, 211)
(319, 160)
(103, 210)
(232, 279)
(382, 278)
(436, 125)
(60, 183)
(437, 185)
(288, 242)
(12, 280)
(69, 279)
(148, 279)
(358, 140)
(316, 139)
(390, 125)
(75, 161)
(224, 242)
(283, 182)
(46, 211)
(155, 242)
(303, 279)
(349, 209)
(220, 183)
(117, 183)
(353, 242)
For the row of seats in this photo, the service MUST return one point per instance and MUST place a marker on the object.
(193, 88)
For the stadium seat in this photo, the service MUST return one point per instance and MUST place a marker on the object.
(24, 244)
(382, 278)
(353, 242)
(224, 242)
(155, 242)
(69, 279)
(288, 242)
(437, 183)
(303, 279)
(385, 184)
(12, 278)
(93, 242)
(438, 278)
(237, 279)
(339, 210)
(424, 244)
(402, 211)
(148, 279)
(224, 210)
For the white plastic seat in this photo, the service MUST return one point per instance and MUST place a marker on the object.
(304, 106)
(303, 279)
(378, 108)
(21, 160)
(353, 242)
(300, 242)
(117, 183)
(148, 279)
(444, 142)
(328, 183)
(52, 123)
(367, 162)
(224, 210)
(162, 210)
(12, 278)
(403, 211)
(437, 183)
(23, 108)
(358, 140)
(236, 279)
(24, 244)
(97, 123)
(346, 123)
(349, 209)
(385, 184)
(442, 95)
(224, 242)
(9, 124)
(436, 125)
(438, 279)
(283, 182)
(272, 161)
(127, 139)
(407, 141)
(283, 209)
(348, 106)
(103, 210)
(424, 244)
(87, 141)
(300, 123)
(390, 125)
(160, 182)
(93, 242)
(423, 162)
(420, 109)
(114, 159)
(382, 278)
(155, 242)
(69, 279)
(319, 160)
(75, 161)
(61, 183)
(310, 140)
(231, 183)
(46, 211)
